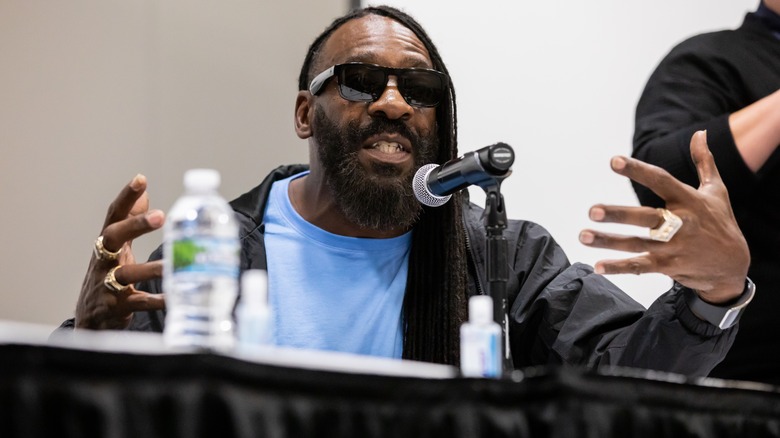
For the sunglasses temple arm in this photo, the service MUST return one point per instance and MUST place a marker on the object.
(320, 79)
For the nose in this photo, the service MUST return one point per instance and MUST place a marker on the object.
(391, 103)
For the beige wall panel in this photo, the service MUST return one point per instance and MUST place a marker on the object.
(94, 91)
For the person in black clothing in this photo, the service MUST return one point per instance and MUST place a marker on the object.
(728, 83)
(375, 103)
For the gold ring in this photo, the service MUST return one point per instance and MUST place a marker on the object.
(670, 226)
(102, 253)
(111, 283)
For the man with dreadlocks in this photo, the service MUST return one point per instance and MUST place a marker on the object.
(355, 263)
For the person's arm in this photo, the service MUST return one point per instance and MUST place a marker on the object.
(568, 314)
(573, 315)
(580, 318)
(756, 130)
(693, 89)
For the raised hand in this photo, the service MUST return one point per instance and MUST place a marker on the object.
(108, 297)
(707, 254)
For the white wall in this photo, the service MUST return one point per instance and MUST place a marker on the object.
(559, 81)
(94, 91)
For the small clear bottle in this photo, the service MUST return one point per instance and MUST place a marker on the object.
(480, 340)
(253, 314)
(200, 266)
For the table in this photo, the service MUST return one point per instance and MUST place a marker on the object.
(122, 385)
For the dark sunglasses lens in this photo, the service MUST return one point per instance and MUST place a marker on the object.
(361, 83)
(421, 88)
(365, 83)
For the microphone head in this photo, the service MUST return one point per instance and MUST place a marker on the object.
(421, 191)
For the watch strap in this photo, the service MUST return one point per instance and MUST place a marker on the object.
(722, 317)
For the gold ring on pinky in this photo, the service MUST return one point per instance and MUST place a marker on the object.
(102, 253)
(111, 282)
(670, 226)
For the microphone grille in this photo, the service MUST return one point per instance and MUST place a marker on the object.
(421, 191)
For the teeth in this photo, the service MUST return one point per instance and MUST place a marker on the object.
(388, 147)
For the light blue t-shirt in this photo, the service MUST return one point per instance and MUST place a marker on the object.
(331, 292)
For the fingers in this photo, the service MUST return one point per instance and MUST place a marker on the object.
(128, 216)
(703, 159)
(108, 297)
(617, 242)
(707, 253)
(116, 234)
(640, 216)
(140, 301)
(135, 300)
(131, 274)
(636, 265)
(102, 306)
(133, 193)
(653, 177)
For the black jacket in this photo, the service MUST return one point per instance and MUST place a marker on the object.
(559, 313)
(697, 86)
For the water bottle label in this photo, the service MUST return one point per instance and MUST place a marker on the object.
(201, 292)
(209, 255)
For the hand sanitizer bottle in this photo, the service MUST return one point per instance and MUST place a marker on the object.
(253, 315)
(480, 340)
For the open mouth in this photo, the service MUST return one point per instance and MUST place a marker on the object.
(388, 147)
(388, 151)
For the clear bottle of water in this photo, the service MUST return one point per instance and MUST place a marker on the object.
(200, 266)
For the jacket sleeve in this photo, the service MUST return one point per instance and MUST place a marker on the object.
(567, 314)
(693, 88)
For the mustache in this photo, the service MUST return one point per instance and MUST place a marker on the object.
(379, 126)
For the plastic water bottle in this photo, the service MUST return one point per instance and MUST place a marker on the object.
(480, 340)
(200, 266)
(253, 314)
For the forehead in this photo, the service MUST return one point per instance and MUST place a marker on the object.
(377, 40)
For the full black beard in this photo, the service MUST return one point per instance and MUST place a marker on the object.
(380, 200)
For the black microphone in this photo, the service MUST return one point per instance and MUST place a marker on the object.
(434, 185)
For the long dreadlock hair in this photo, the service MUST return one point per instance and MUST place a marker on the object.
(435, 300)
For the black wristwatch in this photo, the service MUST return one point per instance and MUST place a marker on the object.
(722, 317)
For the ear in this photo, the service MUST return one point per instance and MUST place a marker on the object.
(304, 114)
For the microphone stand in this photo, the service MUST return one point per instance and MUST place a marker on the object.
(487, 168)
(497, 265)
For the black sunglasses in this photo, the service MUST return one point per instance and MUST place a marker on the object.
(359, 82)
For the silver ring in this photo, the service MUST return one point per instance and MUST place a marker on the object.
(102, 253)
(111, 282)
(671, 224)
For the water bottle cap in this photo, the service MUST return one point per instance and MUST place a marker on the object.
(481, 309)
(254, 287)
(201, 179)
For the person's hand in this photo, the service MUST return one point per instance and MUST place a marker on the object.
(101, 306)
(707, 254)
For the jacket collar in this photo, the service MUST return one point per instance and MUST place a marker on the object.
(252, 203)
